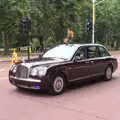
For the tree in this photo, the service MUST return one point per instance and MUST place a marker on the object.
(52, 18)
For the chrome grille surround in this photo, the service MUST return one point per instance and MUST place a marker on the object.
(22, 71)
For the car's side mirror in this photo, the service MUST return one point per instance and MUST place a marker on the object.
(77, 58)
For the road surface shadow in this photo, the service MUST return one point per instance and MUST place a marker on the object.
(87, 83)
(32, 92)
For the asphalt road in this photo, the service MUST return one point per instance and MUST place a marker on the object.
(95, 101)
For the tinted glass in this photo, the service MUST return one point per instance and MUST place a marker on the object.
(81, 54)
(93, 52)
(61, 51)
(103, 52)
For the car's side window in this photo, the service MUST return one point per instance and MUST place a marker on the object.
(103, 52)
(80, 54)
(92, 52)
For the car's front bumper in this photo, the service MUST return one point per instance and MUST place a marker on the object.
(27, 83)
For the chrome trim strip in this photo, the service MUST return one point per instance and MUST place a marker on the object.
(80, 78)
(97, 74)
(97, 58)
(86, 77)
(27, 87)
(26, 79)
(26, 67)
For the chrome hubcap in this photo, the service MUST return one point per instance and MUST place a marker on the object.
(108, 73)
(58, 84)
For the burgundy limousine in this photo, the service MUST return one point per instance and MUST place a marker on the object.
(62, 65)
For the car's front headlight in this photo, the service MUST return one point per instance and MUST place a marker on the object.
(38, 71)
(13, 68)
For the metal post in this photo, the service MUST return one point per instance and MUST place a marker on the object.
(93, 25)
(28, 30)
(28, 49)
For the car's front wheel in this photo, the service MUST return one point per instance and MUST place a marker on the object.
(108, 73)
(58, 85)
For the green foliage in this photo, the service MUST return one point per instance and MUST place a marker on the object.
(52, 18)
(108, 23)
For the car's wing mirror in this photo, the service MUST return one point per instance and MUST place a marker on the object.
(76, 58)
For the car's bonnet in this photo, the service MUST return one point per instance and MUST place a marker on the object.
(42, 63)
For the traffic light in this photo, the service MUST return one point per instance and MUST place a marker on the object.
(25, 29)
(25, 26)
(89, 25)
(28, 24)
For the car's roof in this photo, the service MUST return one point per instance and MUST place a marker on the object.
(79, 45)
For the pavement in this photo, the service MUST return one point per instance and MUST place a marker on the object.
(8, 58)
(5, 58)
(95, 101)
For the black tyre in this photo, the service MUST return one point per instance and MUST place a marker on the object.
(108, 73)
(58, 84)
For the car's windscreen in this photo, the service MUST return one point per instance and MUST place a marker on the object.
(61, 51)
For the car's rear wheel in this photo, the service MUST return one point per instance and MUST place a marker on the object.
(108, 73)
(58, 85)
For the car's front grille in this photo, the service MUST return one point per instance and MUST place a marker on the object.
(22, 71)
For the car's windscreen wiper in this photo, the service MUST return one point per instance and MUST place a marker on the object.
(60, 58)
(54, 58)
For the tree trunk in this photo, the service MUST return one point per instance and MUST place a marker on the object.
(6, 48)
(41, 43)
(5, 41)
